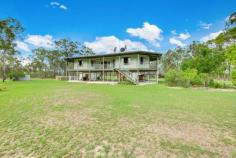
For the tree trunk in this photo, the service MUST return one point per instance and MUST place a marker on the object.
(4, 68)
(229, 71)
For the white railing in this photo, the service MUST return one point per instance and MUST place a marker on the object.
(100, 66)
(147, 65)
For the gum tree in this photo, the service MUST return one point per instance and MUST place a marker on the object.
(9, 29)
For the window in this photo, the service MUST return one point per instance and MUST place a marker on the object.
(92, 62)
(113, 63)
(80, 63)
(126, 60)
(141, 60)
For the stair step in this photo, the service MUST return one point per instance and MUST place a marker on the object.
(128, 76)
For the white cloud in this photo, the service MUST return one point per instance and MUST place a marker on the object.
(40, 41)
(184, 36)
(205, 26)
(174, 32)
(58, 5)
(211, 36)
(22, 46)
(63, 7)
(175, 41)
(148, 32)
(55, 4)
(179, 38)
(107, 44)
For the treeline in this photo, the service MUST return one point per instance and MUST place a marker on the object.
(201, 63)
(48, 63)
(43, 63)
(205, 58)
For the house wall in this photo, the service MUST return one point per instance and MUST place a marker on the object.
(134, 62)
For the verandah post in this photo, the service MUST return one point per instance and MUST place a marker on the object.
(103, 68)
(89, 65)
(118, 71)
(157, 73)
(138, 62)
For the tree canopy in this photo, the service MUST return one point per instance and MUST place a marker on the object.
(9, 29)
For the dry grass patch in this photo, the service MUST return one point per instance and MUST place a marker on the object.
(203, 136)
(68, 118)
(70, 97)
(17, 154)
(188, 132)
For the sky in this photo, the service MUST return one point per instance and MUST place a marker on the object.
(154, 25)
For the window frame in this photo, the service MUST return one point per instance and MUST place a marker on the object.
(126, 60)
(141, 61)
(80, 63)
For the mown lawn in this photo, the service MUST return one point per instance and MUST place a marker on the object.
(47, 118)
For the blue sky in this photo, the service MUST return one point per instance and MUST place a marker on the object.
(156, 25)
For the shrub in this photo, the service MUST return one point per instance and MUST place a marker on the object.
(206, 79)
(220, 84)
(16, 75)
(189, 77)
(234, 77)
(171, 77)
(185, 78)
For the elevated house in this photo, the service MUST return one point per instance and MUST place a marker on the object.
(135, 66)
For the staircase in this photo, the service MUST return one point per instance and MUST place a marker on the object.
(128, 75)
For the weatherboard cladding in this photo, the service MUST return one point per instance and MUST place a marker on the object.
(155, 54)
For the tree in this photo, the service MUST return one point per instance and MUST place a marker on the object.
(68, 48)
(231, 54)
(9, 29)
(229, 34)
(231, 20)
(84, 51)
(204, 59)
(172, 59)
(54, 61)
(40, 60)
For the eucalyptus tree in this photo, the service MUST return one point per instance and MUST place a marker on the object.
(9, 29)
(40, 62)
(68, 48)
(172, 59)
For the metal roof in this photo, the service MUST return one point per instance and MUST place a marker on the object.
(116, 54)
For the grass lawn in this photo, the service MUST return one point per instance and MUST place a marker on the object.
(47, 118)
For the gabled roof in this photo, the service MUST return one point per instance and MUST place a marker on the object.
(116, 54)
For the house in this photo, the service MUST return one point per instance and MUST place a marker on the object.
(135, 66)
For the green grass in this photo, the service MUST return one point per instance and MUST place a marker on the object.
(48, 118)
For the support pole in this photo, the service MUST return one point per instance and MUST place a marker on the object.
(138, 63)
(119, 61)
(157, 73)
(77, 66)
(103, 68)
(119, 77)
(89, 65)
